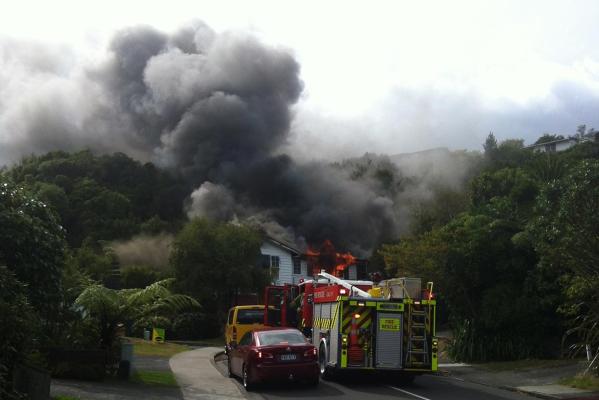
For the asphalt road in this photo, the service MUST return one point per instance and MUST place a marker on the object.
(426, 387)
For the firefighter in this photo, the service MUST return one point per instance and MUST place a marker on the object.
(295, 312)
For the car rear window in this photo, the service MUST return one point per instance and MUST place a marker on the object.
(278, 337)
(248, 317)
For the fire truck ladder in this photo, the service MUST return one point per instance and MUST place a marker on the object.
(417, 353)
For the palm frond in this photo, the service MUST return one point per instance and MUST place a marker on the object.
(174, 304)
(156, 290)
(97, 299)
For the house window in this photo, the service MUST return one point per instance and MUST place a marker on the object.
(272, 264)
(274, 267)
(297, 266)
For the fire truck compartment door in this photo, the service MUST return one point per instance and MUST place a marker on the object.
(388, 340)
(274, 302)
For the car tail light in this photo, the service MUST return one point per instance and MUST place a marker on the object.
(234, 334)
(263, 355)
(310, 353)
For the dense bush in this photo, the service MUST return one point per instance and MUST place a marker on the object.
(190, 326)
(518, 267)
(104, 197)
(213, 261)
(17, 326)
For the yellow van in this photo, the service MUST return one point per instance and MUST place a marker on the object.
(242, 319)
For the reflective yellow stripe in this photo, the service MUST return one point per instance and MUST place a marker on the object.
(334, 319)
(343, 352)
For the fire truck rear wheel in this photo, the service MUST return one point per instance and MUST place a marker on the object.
(405, 378)
(325, 370)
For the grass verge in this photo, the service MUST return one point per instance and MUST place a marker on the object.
(216, 342)
(522, 365)
(587, 382)
(157, 378)
(144, 348)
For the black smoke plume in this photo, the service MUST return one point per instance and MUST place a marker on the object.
(213, 107)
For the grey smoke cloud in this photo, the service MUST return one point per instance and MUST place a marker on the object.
(152, 251)
(218, 109)
(215, 108)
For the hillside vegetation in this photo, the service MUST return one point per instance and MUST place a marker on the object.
(516, 270)
(91, 242)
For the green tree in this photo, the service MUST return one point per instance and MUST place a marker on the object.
(508, 193)
(508, 153)
(93, 260)
(420, 256)
(547, 167)
(18, 326)
(490, 146)
(137, 276)
(445, 204)
(31, 245)
(215, 261)
(566, 232)
(103, 197)
(498, 312)
(31, 262)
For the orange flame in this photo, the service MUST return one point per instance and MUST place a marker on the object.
(328, 259)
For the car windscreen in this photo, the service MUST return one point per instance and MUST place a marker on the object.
(269, 338)
(248, 317)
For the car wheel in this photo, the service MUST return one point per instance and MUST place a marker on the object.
(229, 367)
(247, 383)
(325, 371)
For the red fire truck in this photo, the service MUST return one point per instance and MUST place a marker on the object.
(357, 325)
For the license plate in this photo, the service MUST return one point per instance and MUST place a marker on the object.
(288, 357)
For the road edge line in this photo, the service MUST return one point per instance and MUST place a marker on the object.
(409, 393)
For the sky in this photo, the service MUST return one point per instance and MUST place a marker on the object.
(384, 77)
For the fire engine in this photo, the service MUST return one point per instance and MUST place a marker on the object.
(359, 325)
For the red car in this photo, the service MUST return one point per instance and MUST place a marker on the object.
(273, 354)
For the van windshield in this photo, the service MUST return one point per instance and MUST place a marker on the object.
(248, 317)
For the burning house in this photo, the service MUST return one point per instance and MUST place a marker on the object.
(287, 264)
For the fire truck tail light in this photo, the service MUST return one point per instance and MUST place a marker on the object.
(357, 316)
(342, 291)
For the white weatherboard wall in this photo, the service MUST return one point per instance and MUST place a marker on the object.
(285, 263)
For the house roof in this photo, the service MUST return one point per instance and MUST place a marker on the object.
(284, 245)
(568, 139)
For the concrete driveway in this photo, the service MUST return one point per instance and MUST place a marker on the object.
(199, 379)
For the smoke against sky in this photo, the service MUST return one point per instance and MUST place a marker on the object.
(214, 108)
(398, 77)
(255, 134)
